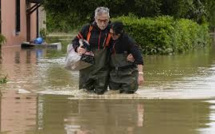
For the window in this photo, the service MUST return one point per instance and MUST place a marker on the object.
(17, 16)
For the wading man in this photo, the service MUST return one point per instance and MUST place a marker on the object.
(95, 78)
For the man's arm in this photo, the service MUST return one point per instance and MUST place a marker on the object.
(137, 59)
(140, 74)
(81, 35)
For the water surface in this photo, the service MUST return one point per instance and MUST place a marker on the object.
(41, 97)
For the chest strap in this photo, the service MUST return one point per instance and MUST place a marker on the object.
(108, 39)
(89, 35)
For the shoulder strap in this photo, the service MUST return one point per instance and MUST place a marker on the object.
(108, 40)
(89, 33)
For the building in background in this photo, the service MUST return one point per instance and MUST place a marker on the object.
(20, 20)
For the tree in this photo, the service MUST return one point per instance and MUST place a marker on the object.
(65, 14)
(210, 11)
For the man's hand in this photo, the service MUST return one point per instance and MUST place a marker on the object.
(130, 58)
(140, 74)
(81, 50)
(140, 79)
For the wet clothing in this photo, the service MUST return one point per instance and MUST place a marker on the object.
(95, 77)
(124, 74)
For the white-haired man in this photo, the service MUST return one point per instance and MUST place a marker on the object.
(95, 78)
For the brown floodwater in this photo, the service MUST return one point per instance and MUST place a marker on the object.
(41, 97)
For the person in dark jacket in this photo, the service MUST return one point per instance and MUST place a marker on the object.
(125, 76)
(95, 77)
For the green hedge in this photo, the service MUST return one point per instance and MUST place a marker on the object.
(165, 35)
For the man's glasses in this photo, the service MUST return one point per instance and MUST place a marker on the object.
(104, 21)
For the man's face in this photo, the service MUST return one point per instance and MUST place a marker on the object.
(102, 21)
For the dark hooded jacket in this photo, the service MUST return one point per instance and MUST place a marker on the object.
(126, 45)
(97, 38)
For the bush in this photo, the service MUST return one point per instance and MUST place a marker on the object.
(43, 33)
(165, 35)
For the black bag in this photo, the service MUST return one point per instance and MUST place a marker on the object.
(88, 58)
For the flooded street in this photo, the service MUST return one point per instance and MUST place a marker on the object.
(41, 97)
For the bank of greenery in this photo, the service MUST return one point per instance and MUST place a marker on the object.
(64, 15)
(185, 30)
(166, 35)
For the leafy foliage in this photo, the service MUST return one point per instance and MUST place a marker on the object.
(165, 35)
(68, 14)
(182, 24)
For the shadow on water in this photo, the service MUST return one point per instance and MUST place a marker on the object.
(42, 97)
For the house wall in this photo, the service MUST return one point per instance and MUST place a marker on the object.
(33, 24)
(42, 18)
(8, 25)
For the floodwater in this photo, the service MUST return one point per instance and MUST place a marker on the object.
(41, 97)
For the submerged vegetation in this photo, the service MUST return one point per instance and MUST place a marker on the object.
(3, 80)
(2, 39)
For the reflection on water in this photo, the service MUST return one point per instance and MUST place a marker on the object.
(89, 116)
(211, 124)
(18, 112)
(57, 114)
(42, 97)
